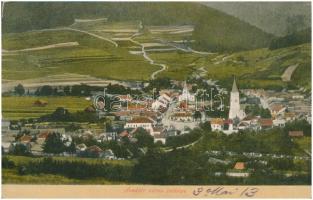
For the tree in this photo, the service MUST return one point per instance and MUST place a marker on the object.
(19, 89)
(143, 137)
(21, 150)
(7, 163)
(206, 126)
(60, 114)
(45, 90)
(71, 148)
(67, 90)
(54, 144)
(197, 115)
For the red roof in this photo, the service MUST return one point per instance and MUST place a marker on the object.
(94, 148)
(43, 134)
(239, 165)
(218, 121)
(183, 114)
(25, 138)
(277, 107)
(124, 133)
(266, 122)
(140, 120)
(228, 121)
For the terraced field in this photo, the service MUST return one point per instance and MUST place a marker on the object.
(92, 56)
(130, 51)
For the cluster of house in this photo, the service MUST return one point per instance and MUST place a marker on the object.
(34, 139)
(284, 107)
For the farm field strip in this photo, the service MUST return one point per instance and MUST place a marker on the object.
(21, 107)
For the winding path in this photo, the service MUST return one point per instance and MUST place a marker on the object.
(144, 53)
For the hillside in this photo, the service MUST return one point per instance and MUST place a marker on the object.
(214, 30)
(296, 38)
(272, 17)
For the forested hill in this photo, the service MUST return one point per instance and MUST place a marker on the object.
(296, 38)
(214, 30)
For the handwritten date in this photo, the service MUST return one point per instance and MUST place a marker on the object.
(222, 191)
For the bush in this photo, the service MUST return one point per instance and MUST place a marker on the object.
(7, 163)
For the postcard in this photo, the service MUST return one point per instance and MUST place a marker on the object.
(156, 99)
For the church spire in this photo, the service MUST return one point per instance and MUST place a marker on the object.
(234, 89)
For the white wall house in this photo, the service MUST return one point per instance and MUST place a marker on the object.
(141, 122)
(217, 124)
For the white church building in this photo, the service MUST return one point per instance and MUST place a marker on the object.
(186, 95)
(235, 111)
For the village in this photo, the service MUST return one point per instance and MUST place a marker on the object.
(174, 112)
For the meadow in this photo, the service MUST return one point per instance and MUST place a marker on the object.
(16, 107)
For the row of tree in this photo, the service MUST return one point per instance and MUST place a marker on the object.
(75, 90)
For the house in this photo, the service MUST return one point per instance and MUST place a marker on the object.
(295, 133)
(265, 123)
(279, 122)
(124, 133)
(94, 151)
(277, 109)
(217, 124)
(239, 170)
(108, 154)
(243, 125)
(25, 139)
(36, 148)
(289, 116)
(182, 116)
(159, 137)
(162, 101)
(41, 137)
(81, 147)
(158, 130)
(143, 122)
(239, 165)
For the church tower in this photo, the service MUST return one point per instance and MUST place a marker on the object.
(234, 110)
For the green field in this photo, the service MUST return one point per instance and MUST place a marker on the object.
(22, 107)
(11, 176)
(262, 68)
